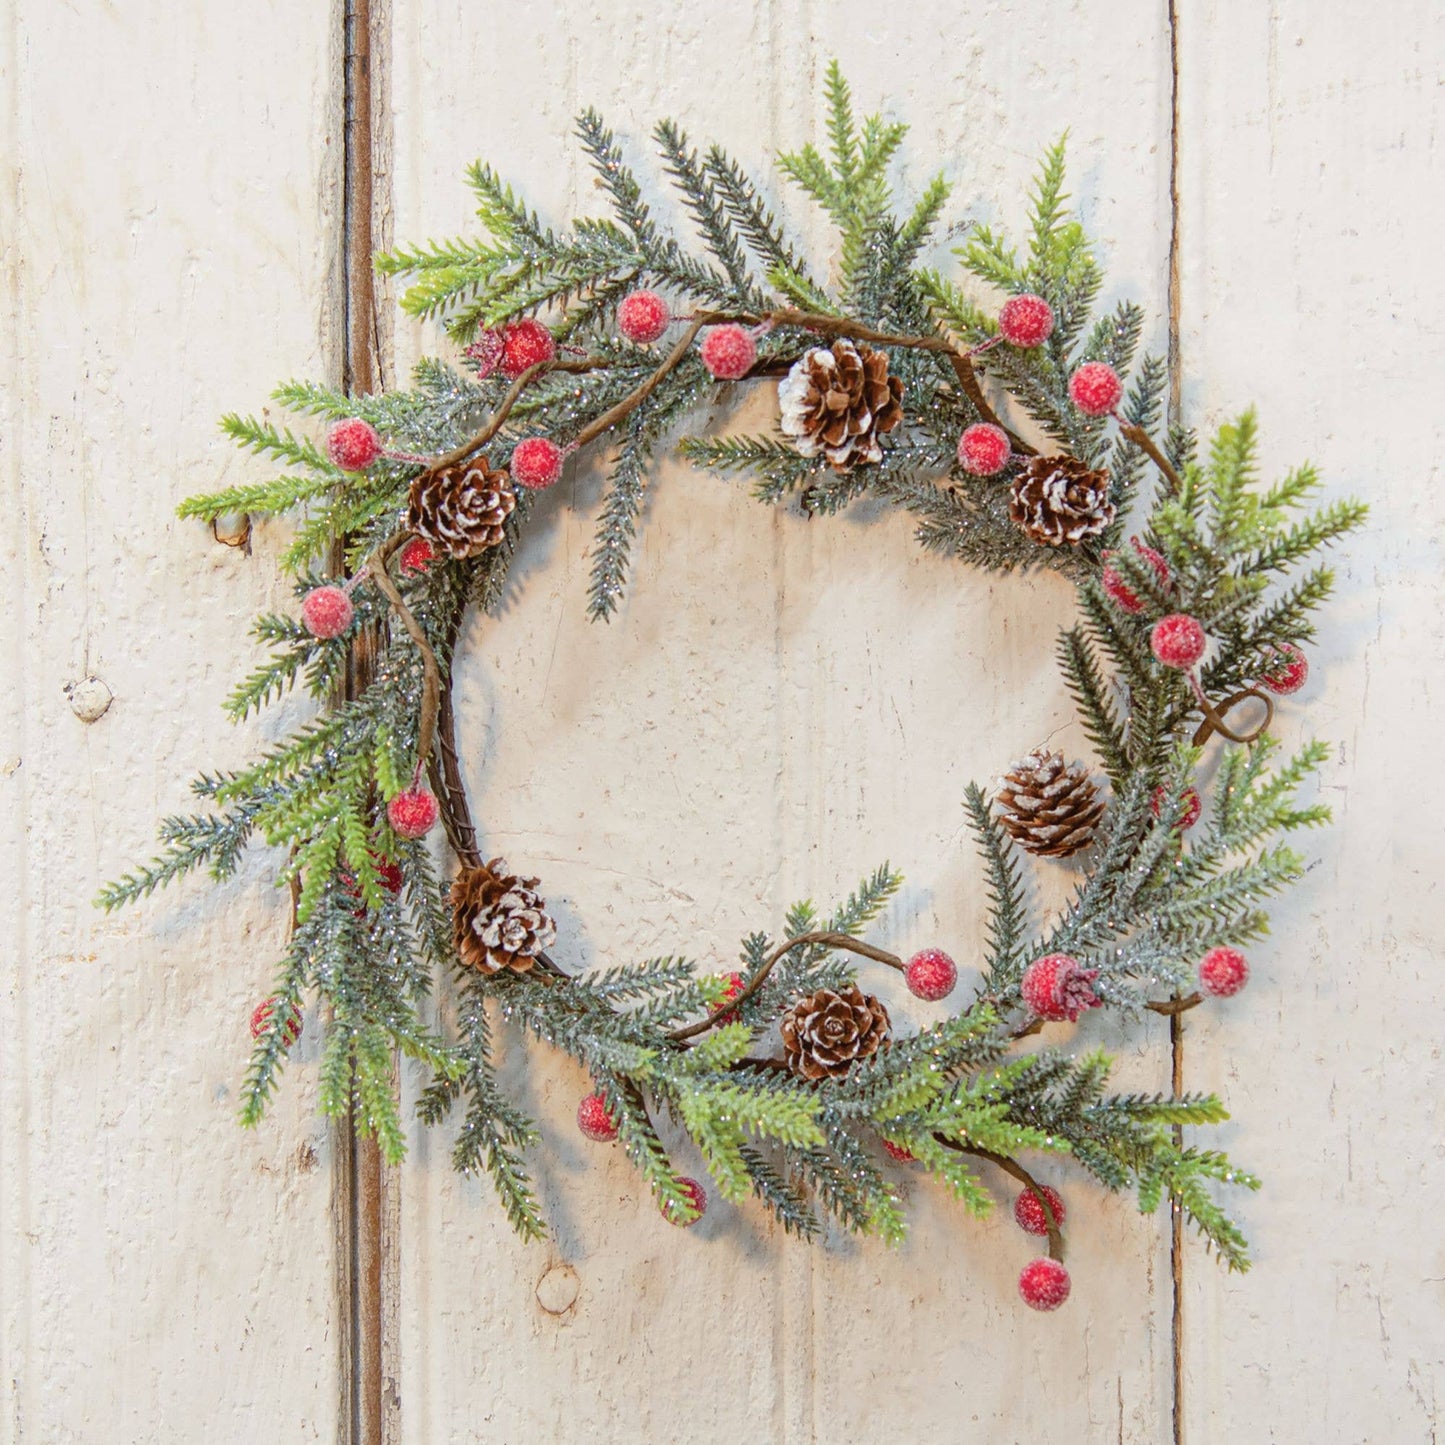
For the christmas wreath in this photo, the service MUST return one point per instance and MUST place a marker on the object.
(1020, 436)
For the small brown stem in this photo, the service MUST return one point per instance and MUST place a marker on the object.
(432, 673)
(1017, 1170)
(827, 940)
(1146, 444)
(511, 397)
(1214, 715)
(1175, 1005)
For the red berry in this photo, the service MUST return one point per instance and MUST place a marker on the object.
(413, 813)
(1026, 321)
(353, 444)
(525, 344)
(696, 1197)
(1029, 1213)
(1117, 588)
(643, 316)
(261, 1020)
(898, 1152)
(1177, 641)
(388, 874)
(931, 974)
(1193, 806)
(983, 449)
(1095, 388)
(594, 1120)
(1289, 673)
(326, 612)
(486, 351)
(1044, 1284)
(416, 556)
(733, 985)
(729, 352)
(1058, 986)
(536, 463)
(1223, 972)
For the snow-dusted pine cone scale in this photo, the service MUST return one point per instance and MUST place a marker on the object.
(499, 920)
(826, 1032)
(838, 400)
(461, 510)
(1048, 807)
(1059, 501)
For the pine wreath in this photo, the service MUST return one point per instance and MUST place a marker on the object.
(789, 1077)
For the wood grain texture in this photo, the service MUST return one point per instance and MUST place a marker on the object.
(1311, 202)
(780, 706)
(171, 220)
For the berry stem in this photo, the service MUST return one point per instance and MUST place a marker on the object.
(1017, 1170)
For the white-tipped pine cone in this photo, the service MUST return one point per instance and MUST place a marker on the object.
(498, 919)
(462, 509)
(1059, 501)
(824, 1033)
(1048, 807)
(838, 400)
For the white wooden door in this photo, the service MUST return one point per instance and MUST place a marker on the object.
(779, 706)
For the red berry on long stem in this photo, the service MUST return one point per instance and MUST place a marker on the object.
(1044, 1284)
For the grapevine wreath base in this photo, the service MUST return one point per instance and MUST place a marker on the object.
(1019, 435)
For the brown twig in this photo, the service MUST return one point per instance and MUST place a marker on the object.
(1146, 444)
(510, 398)
(1215, 713)
(1013, 1167)
(1172, 1006)
(824, 939)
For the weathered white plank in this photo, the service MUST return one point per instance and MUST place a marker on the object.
(780, 706)
(1311, 206)
(170, 226)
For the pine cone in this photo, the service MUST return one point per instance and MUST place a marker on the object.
(826, 1031)
(461, 510)
(838, 400)
(1048, 807)
(498, 919)
(1058, 500)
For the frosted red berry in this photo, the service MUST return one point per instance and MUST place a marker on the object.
(984, 449)
(1177, 641)
(1026, 321)
(1057, 986)
(388, 874)
(898, 1152)
(696, 1197)
(261, 1020)
(1289, 673)
(1193, 806)
(1095, 388)
(486, 352)
(416, 556)
(326, 612)
(729, 352)
(525, 344)
(1044, 1284)
(536, 463)
(931, 974)
(352, 444)
(1223, 972)
(412, 814)
(1029, 1213)
(643, 316)
(1114, 584)
(594, 1120)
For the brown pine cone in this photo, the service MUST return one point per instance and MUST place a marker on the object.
(498, 919)
(1058, 500)
(826, 1031)
(462, 509)
(1048, 807)
(838, 400)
